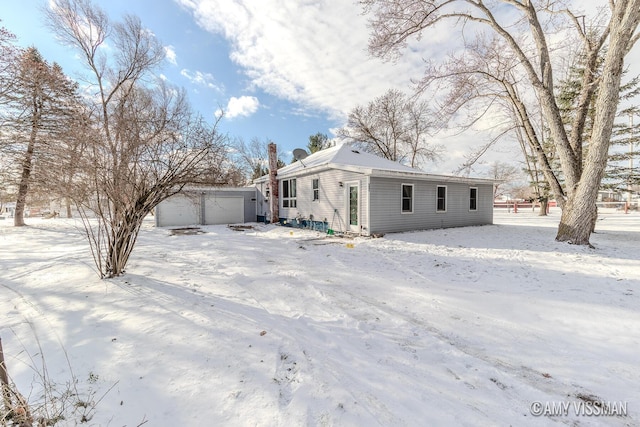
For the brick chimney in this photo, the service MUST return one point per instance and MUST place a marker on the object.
(273, 181)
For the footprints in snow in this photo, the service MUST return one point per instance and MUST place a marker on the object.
(287, 378)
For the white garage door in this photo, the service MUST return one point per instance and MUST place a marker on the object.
(223, 210)
(179, 210)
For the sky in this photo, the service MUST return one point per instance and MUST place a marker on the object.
(282, 71)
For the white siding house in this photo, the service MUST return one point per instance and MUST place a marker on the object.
(349, 191)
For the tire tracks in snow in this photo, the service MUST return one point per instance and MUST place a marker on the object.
(541, 381)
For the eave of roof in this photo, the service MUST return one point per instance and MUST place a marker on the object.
(338, 158)
(381, 173)
(429, 177)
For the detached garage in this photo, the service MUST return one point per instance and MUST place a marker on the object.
(208, 206)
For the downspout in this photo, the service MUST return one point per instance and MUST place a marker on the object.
(368, 196)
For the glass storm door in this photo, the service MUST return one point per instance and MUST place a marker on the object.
(353, 207)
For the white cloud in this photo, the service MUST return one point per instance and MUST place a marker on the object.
(201, 79)
(170, 54)
(240, 107)
(312, 52)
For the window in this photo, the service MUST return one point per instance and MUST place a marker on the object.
(407, 198)
(289, 193)
(315, 186)
(441, 199)
(473, 199)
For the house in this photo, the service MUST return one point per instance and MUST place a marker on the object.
(609, 196)
(207, 206)
(350, 191)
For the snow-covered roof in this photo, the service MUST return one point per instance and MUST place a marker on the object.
(346, 157)
(343, 157)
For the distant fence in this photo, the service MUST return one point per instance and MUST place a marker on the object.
(609, 207)
(514, 205)
(623, 207)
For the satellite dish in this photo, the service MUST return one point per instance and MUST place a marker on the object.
(299, 154)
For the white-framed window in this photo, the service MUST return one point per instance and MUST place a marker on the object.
(407, 198)
(473, 198)
(315, 186)
(289, 193)
(441, 198)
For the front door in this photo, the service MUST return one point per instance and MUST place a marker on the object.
(352, 190)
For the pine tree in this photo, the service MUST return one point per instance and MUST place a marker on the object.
(620, 175)
(38, 109)
(318, 142)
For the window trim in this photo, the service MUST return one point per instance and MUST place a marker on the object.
(290, 201)
(402, 198)
(315, 189)
(444, 198)
(475, 209)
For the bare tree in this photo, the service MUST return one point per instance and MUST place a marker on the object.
(7, 193)
(395, 127)
(483, 82)
(254, 157)
(421, 125)
(537, 181)
(69, 152)
(527, 40)
(504, 176)
(8, 56)
(146, 143)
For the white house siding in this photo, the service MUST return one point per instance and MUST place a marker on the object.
(262, 202)
(386, 209)
(332, 204)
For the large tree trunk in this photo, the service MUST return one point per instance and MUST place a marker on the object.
(67, 201)
(578, 220)
(580, 213)
(124, 236)
(21, 201)
(544, 205)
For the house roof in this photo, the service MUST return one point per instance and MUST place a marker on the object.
(346, 157)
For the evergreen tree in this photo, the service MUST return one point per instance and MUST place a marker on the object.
(318, 142)
(38, 110)
(620, 175)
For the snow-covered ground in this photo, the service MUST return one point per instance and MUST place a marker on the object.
(280, 327)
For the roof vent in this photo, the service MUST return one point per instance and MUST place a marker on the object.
(355, 151)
